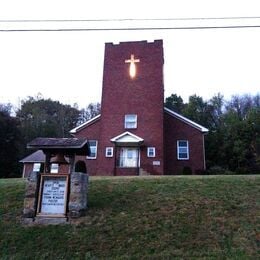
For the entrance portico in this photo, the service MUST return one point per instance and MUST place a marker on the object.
(127, 152)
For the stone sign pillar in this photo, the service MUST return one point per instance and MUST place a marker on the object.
(78, 194)
(31, 195)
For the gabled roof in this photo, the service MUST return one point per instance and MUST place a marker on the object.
(186, 120)
(36, 157)
(127, 138)
(89, 122)
(167, 110)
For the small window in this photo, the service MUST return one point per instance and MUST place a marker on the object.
(150, 151)
(183, 150)
(130, 121)
(36, 167)
(93, 149)
(54, 168)
(109, 151)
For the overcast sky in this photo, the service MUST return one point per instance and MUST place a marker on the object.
(68, 66)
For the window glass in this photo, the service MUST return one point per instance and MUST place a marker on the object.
(150, 151)
(130, 121)
(182, 150)
(109, 151)
(54, 168)
(93, 149)
(36, 167)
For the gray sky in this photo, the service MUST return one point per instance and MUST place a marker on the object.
(202, 62)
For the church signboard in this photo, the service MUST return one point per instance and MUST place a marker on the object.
(53, 195)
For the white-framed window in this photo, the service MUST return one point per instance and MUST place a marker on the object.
(130, 121)
(183, 150)
(109, 151)
(36, 167)
(93, 149)
(54, 168)
(150, 151)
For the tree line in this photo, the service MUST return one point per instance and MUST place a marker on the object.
(232, 144)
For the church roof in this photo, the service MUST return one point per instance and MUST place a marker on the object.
(87, 123)
(167, 110)
(186, 120)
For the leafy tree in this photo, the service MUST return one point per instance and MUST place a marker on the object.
(10, 143)
(174, 103)
(46, 118)
(92, 110)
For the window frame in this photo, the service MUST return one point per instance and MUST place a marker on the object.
(151, 148)
(54, 168)
(38, 166)
(184, 147)
(107, 151)
(128, 121)
(93, 157)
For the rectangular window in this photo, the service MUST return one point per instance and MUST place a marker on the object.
(129, 157)
(130, 121)
(150, 151)
(109, 151)
(36, 167)
(183, 150)
(54, 168)
(93, 149)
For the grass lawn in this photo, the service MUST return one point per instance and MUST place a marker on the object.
(205, 217)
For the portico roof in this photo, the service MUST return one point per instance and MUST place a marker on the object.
(127, 139)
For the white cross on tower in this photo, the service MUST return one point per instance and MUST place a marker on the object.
(132, 67)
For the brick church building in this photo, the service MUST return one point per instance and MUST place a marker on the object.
(135, 134)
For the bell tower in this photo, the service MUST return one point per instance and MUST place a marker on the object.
(133, 90)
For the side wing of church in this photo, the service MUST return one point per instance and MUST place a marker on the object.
(135, 134)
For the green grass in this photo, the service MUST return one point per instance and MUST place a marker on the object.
(208, 217)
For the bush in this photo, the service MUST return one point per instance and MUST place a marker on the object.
(186, 170)
(218, 170)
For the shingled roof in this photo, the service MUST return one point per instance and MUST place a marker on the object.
(78, 146)
(36, 157)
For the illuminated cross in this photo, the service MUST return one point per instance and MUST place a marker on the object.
(132, 67)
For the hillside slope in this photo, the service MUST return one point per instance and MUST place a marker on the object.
(140, 218)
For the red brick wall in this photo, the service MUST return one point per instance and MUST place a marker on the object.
(174, 130)
(92, 132)
(142, 96)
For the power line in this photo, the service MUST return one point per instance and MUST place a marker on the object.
(128, 24)
(130, 19)
(132, 29)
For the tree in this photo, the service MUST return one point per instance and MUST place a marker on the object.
(92, 110)
(46, 118)
(10, 143)
(174, 103)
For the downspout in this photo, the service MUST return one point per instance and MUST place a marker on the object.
(204, 157)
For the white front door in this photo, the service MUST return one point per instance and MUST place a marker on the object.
(129, 157)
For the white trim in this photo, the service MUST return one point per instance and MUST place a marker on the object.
(186, 120)
(112, 151)
(153, 151)
(117, 138)
(76, 129)
(188, 152)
